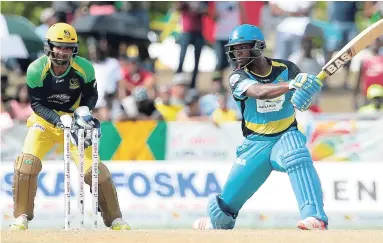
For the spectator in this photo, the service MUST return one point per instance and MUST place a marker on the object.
(5, 118)
(162, 103)
(375, 95)
(104, 7)
(307, 60)
(66, 10)
(133, 76)
(145, 105)
(290, 31)
(227, 16)
(191, 14)
(373, 10)
(191, 111)
(179, 89)
(140, 9)
(342, 18)
(47, 19)
(209, 102)
(139, 106)
(20, 108)
(371, 70)
(4, 84)
(108, 74)
(223, 113)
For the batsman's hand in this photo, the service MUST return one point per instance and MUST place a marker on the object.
(306, 81)
(302, 99)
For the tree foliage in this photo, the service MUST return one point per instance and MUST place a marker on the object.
(29, 9)
(32, 9)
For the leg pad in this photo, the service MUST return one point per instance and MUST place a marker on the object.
(107, 194)
(303, 176)
(26, 170)
(218, 217)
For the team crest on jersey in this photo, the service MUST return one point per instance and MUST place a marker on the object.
(74, 84)
(280, 80)
(66, 34)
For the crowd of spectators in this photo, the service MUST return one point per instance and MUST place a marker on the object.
(127, 83)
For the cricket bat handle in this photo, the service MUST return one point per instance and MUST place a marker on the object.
(322, 75)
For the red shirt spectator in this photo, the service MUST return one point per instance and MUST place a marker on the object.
(133, 76)
(192, 13)
(372, 72)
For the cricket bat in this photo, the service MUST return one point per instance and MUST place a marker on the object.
(361, 41)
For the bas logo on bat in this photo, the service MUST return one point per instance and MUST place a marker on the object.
(339, 62)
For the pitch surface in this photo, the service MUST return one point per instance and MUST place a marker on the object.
(191, 236)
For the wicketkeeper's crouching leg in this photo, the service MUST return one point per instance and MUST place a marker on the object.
(26, 170)
(107, 196)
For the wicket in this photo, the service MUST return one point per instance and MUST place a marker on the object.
(81, 183)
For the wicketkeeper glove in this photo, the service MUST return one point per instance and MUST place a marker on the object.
(84, 120)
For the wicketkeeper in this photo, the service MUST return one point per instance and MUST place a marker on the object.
(60, 82)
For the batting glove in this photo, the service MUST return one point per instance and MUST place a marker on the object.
(306, 81)
(301, 100)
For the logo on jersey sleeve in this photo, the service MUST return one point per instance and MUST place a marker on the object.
(74, 84)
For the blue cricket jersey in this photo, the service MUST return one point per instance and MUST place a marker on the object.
(265, 117)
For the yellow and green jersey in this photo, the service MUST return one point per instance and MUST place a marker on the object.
(50, 94)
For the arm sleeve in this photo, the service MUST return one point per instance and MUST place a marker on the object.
(35, 93)
(239, 82)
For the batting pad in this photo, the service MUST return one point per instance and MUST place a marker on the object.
(219, 219)
(303, 176)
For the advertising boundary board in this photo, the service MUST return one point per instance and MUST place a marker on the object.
(174, 194)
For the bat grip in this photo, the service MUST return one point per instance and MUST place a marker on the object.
(322, 75)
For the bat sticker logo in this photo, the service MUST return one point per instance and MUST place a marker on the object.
(339, 62)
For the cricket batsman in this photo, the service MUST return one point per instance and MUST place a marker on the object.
(267, 91)
(59, 83)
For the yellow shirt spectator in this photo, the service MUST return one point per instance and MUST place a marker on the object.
(168, 112)
(220, 116)
(222, 113)
(370, 109)
(375, 95)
